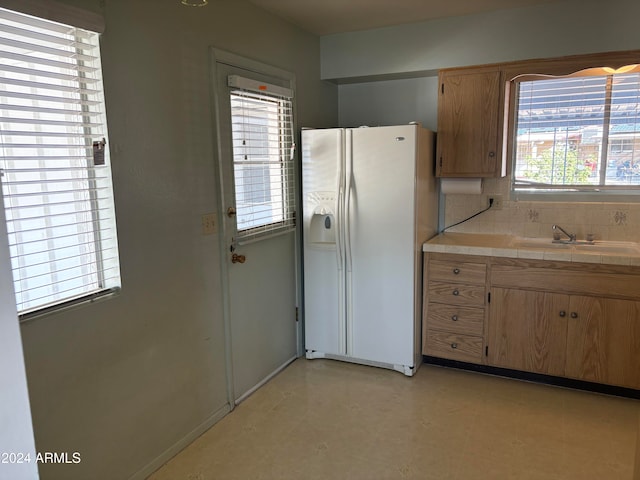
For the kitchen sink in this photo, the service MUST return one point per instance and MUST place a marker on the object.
(597, 248)
(621, 248)
(539, 243)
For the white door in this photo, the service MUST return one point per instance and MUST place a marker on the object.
(258, 189)
(380, 243)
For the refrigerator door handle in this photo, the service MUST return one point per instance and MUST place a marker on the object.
(340, 204)
(339, 214)
(349, 181)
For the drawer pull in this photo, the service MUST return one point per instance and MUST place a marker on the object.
(454, 345)
(454, 318)
(574, 315)
(456, 292)
(563, 313)
(456, 271)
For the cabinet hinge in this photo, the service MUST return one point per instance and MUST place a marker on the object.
(297, 315)
(441, 161)
(489, 297)
(486, 351)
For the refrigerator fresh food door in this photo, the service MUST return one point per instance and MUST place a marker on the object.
(323, 239)
(381, 172)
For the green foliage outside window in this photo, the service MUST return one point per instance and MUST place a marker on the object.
(560, 166)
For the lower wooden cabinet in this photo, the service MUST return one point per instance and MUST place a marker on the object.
(579, 321)
(528, 330)
(603, 341)
(454, 346)
(454, 308)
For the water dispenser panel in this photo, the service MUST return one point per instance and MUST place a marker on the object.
(322, 230)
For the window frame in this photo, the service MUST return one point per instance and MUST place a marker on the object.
(589, 64)
(78, 19)
(239, 86)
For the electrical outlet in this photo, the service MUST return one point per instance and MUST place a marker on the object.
(497, 202)
(209, 224)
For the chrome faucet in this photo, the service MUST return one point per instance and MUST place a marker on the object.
(572, 236)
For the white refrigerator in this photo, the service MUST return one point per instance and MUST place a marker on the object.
(369, 203)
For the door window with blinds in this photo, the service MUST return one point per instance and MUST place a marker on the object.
(578, 133)
(263, 156)
(56, 178)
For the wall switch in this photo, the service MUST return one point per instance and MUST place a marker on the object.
(209, 224)
(497, 202)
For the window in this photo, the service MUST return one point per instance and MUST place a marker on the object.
(56, 178)
(578, 132)
(262, 129)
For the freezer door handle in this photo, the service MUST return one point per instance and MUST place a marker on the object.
(339, 225)
(349, 181)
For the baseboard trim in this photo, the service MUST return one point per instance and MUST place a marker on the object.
(180, 445)
(248, 393)
(536, 377)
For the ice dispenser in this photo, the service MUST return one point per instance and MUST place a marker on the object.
(322, 229)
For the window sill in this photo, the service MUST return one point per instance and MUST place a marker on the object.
(607, 196)
(74, 303)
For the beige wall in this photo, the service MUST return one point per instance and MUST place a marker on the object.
(124, 381)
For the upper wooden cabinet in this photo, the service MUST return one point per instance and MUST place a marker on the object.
(469, 123)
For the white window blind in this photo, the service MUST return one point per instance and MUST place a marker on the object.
(57, 195)
(263, 160)
(580, 132)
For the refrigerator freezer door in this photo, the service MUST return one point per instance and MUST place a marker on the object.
(380, 251)
(323, 193)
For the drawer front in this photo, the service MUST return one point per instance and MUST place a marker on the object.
(465, 348)
(567, 281)
(456, 294)
(455, 319)
(457, 272)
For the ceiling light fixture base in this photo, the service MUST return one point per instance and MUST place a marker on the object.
(194, 3)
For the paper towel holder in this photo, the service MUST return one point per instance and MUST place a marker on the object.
(461, 186)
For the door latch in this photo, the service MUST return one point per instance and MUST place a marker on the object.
(235, 258)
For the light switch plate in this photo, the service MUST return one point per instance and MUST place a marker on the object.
(209, 224)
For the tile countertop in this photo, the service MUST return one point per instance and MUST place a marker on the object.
(619, 253)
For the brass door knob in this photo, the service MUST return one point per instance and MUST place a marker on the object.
(235, 258)
(231, 212)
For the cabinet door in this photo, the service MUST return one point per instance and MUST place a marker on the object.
(603, 342)
(468, 117)
(528, 330)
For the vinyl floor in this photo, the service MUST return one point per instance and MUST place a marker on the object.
(324, 419)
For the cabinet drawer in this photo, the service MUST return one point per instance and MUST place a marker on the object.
(465, 348)
(579, 282)
(455, 294)
(457, 272)
(455, 319)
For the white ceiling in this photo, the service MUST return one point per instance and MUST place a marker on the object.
(324, 17)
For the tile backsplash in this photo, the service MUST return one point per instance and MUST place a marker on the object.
(607, 221)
